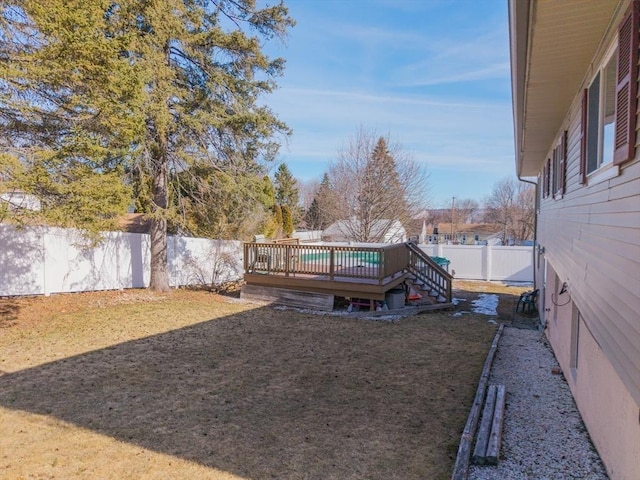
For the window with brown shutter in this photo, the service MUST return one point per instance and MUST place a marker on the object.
(609, 103)
(627, 85)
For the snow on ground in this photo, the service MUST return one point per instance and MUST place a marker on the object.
(486, 304)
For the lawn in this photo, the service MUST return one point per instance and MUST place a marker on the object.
(184, 385)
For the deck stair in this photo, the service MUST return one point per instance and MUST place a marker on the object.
(425, 274)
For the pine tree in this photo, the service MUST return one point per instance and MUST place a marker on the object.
(286, 187)
(319, 214)
(150, 87)
(312, 216)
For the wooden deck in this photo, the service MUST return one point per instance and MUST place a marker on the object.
(348, 287)
(358, 271)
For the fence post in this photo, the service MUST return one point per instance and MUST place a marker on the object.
(45, 290)
(489, 262)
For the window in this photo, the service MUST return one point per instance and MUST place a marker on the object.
(546, 179)
(600, 103)
(609, 102)
(575, 340)
(559, 166)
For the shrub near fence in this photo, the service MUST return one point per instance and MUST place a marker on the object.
(46, 260)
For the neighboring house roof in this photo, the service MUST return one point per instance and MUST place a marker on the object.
(484, 229)
(547, 73)
(384, 229)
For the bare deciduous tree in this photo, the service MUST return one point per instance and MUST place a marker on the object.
(512, 206)
(374, 184)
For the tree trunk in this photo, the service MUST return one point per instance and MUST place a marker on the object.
(159, 261)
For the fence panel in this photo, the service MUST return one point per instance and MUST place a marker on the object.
(513, 264)
(46, 260)
(475, 262)
(21, 261)
(468, 261)
(36, 261)
(201, 261)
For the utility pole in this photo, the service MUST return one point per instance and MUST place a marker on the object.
(453, 206)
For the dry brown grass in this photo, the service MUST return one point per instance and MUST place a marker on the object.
(193, 385)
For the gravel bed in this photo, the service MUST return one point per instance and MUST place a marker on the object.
(543, 434)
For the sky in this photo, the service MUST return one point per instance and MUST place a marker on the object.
(432, 75)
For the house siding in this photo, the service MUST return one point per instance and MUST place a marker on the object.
(589, 234)
(591, 237)
(605, 403)
(591, 240)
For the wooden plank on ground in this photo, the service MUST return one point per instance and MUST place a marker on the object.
(461, 467)
(495, 439)
(290, 298)
(482, 440)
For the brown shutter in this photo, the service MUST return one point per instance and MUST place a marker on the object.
(554, 171)
(547, 177)
(627, 85)
(583, 140)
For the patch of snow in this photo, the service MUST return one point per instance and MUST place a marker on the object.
(517, 284)
(486, 304)
(455, 301)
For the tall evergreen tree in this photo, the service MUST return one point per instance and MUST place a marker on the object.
(326, 203)
(286, 187)
(312, 217)
(157, 87)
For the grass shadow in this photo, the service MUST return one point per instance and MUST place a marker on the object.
(273, 395)
(9, 310)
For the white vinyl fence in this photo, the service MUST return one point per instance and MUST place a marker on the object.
(477, 262)
(47, 260)
(43, 260)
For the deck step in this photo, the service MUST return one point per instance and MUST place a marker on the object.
(288, 297)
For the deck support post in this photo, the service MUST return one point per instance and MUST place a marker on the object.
(331, 264)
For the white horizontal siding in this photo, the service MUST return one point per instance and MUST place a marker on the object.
(592, 240)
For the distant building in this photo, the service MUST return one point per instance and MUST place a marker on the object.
(463, 234)
(382, 231)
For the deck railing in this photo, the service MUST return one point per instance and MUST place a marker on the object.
(330, 261)
(426, 270)
(346, 262)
